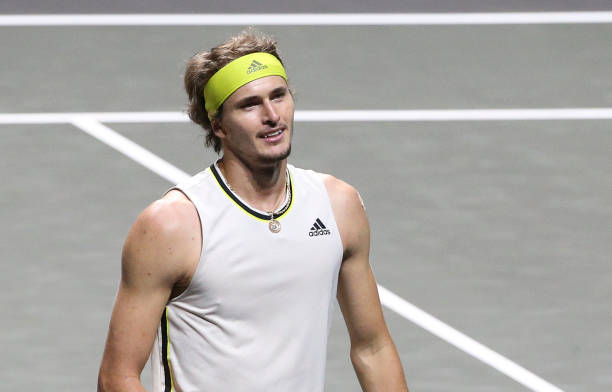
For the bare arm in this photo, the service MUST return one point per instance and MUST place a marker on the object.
(373, 353)
(159, 254)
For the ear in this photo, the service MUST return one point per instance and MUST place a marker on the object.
(217, 128)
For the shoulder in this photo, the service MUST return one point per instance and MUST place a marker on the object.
(342, 195)
(164, 237)
(169, 217)
(349, 212)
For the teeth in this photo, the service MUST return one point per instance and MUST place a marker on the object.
(273, 134)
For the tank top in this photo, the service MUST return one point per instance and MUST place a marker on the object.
(256, 314)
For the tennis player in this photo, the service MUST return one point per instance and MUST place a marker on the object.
(228, 281)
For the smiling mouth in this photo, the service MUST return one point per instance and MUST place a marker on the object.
(273, 134)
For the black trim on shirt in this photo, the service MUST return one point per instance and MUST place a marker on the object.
(164, 333)
(245, 207)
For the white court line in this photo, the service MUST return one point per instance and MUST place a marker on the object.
(332, 115)
(130, 149)
(464, 342)
(305, 19)
(105, 117)
(455, 115)
(392, 301)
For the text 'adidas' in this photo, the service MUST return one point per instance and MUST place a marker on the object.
(318, 228)
(255, 66)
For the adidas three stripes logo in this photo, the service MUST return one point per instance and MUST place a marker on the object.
(318, 228)
(256, 66)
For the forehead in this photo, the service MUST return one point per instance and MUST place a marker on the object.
(258, 87)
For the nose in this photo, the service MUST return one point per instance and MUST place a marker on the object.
(270, 115)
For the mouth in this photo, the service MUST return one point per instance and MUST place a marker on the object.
(273, 134)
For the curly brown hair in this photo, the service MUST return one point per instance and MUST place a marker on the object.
(203, 65)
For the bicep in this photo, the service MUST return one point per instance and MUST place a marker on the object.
(357, 292)
(136, 314)
(359, 302)
(134, 321)
(148, 273)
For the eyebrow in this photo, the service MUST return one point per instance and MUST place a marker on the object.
(248, 100)
(255, 98)
(281, 89)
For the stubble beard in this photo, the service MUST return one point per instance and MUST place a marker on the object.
(276, 158)
(241, 148)
(273, 159)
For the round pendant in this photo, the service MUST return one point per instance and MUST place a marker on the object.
(274, 226)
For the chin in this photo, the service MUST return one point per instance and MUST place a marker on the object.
(270, 159)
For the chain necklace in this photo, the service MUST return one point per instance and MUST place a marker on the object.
(273, 224)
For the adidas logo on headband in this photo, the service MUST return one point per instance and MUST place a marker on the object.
(255, 66)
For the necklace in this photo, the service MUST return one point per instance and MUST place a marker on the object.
(273, 224)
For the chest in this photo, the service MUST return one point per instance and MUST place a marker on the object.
(244, 262)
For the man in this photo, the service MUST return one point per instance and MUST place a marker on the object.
(242, 261)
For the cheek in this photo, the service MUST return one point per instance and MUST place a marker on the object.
(289, 112)
(236, 127)
(239, 135)
(245, 121)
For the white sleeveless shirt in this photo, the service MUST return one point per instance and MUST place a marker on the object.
(256, 314)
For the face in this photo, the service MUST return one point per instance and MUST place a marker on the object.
(257, 122)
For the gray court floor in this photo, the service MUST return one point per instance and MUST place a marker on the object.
(501, 228)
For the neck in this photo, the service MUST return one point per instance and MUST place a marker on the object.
(261, 187)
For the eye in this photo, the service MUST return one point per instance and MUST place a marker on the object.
(278, 95)
(248, 104)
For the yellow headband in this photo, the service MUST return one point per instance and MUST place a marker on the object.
(238, 73)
